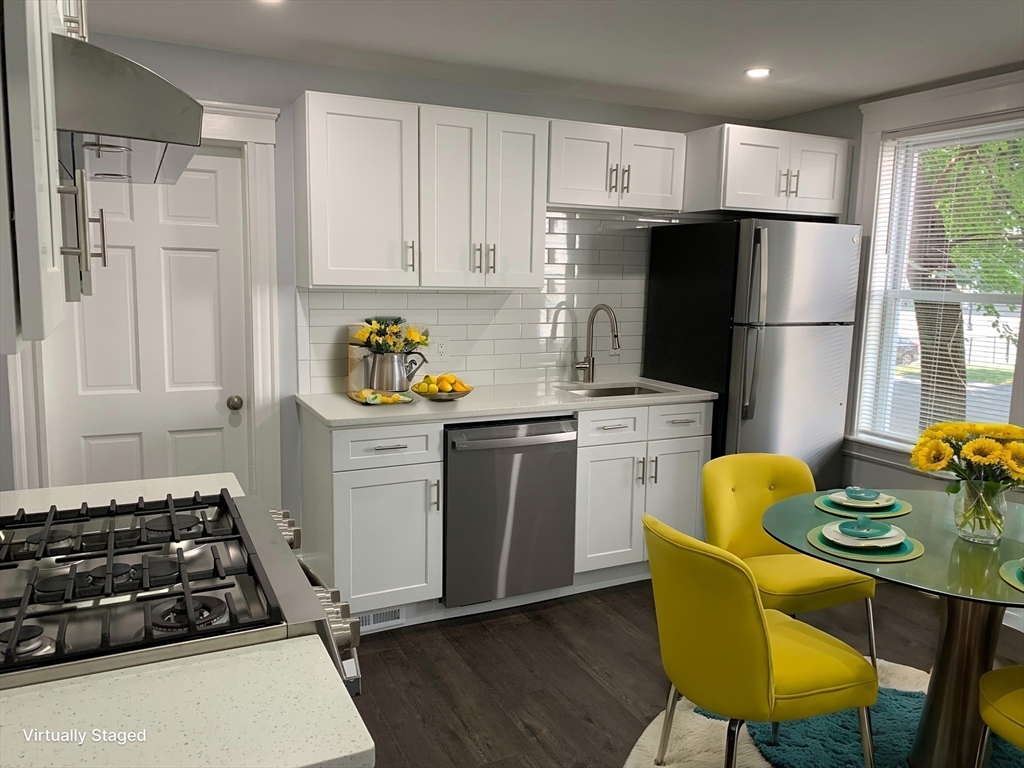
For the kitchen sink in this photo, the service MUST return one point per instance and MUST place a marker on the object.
(615, 391)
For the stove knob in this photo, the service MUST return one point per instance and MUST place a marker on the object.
(344, 631)
(288, 527)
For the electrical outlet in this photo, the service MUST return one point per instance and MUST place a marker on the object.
(437, 350)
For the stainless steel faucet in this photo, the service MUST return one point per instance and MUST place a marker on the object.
(587, 364)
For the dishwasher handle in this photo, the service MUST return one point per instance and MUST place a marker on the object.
(513, 442)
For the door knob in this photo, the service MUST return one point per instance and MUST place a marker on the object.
(235, 402)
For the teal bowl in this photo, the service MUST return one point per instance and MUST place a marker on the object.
(861, 494)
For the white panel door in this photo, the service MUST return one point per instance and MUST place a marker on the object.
(388, 529)
(673, 482)
(609, 505)
(652, 169)
(756, 166)
(517, 163)
(136, 382)
(817, 174)
(35, 176)
(363, 177)
(453, 195)
(585, 164)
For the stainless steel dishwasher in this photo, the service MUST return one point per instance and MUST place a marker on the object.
(510, 509)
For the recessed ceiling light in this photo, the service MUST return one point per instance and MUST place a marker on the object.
(758, 72)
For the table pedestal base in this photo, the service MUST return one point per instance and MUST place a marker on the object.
(950, 729)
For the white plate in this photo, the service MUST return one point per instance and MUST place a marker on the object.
(832, 533)
(840, 497)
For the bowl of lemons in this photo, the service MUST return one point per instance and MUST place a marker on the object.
(447, 386)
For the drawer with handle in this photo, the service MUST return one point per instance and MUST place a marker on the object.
(385, 446)
(684, 420)
(619, 425)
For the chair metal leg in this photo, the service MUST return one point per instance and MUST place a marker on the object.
(731, 739)
(865, 737)
(775, 734)
(983, 748)
(666, 727)
(871, 634)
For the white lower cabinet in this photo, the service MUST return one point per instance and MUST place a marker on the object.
(609, 505)
(388, 535)
(616, 484)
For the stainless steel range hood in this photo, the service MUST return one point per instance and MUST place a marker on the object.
(129, 124)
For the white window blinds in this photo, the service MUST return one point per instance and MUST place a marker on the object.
(944, 296)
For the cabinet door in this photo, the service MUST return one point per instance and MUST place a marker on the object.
(517, 163)
(585, 164)
(756, 168)
(388, 529)
(35, 176)
(673, 482)
(652, 169)
(453, 179)
(609, 505)
(817, 174)
(362, 191)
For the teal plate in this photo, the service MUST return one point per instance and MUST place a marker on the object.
(1012, 574)
(896, 510)
(871, 530)
(908, 549)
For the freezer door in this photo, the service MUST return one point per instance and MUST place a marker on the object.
(789, 394)
(797, 272)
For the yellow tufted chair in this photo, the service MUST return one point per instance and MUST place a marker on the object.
(737, 491)
(1002, 707)
(725, 652)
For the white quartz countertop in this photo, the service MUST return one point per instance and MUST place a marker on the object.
(70, 496)
(276, 704)
(488, 401)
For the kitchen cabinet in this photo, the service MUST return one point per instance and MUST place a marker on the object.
(673, 489)
(393, 195)
(357, 183)
(388, 534)
(31, 131)
(453, 196)
(740, 167)
(606, 166)
(609, 505)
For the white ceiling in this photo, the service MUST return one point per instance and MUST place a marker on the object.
(673, 54)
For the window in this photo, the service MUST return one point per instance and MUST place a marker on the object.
(945, 290)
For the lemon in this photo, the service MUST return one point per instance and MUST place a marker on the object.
(444, 386)
(432, 389)
(428, 379)
(458, 386)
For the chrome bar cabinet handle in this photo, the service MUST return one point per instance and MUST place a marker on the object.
(626, 173)
(785, 186)
(613, 178)
(643, 473)
(437, 495)
(796, 178)
(390, 447)
(606, 427)
(654, 467)
(492, 252)
(478, 260)
(683, 421)
(412, 254)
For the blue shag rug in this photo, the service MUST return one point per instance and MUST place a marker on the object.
(833, 741)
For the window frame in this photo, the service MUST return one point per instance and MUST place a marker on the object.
(985, 100)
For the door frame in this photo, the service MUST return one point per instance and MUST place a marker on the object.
(252, 131)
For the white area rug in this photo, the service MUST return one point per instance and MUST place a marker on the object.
(699, 742)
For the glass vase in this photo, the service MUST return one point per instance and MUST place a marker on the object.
(979, 512)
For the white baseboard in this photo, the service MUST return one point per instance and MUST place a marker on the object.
(1014, 618)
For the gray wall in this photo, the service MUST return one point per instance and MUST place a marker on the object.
(259, 81)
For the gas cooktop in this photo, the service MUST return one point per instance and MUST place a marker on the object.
(92, 581)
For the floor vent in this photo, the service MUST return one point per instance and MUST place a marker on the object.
(379, 620)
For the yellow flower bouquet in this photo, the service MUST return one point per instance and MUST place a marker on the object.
(986, 459)
(387, 334)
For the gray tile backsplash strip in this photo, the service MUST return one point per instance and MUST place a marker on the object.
(593, 257)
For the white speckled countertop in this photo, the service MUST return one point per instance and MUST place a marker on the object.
(490, 401)
(274, 704)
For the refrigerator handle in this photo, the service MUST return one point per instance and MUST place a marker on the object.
(762, 307)
(750, 401)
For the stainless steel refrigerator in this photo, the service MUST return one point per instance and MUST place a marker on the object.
(761, 312)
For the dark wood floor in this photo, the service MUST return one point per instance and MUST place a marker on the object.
(569, 682)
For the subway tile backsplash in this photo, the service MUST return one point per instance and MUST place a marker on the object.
(593, 257)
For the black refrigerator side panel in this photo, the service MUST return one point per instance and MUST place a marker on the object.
(691, 282)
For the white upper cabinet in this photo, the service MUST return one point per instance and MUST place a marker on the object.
(517, 163)
(817, 174)
(739, 167)
(35, 176)
(606, 166)
(357, 183)
(652, 169)
(585, 164)
(395, 195)
(453, 196)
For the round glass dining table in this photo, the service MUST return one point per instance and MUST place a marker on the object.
(973, 600)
